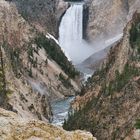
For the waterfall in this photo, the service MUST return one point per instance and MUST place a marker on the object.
(71, 33)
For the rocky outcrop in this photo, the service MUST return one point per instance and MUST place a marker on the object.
(109, 103)
(13, 127)
(61, 7)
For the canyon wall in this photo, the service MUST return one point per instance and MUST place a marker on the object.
(107, 18)
(36, 71)
(108, 105)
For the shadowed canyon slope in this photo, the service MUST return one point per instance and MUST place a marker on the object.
(109, 103)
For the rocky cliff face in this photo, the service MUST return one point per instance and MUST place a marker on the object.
(44, 15)
(109, 103)
(36, 70)
(13, 127)
(103, 25)
(41, 14)
(107, 18)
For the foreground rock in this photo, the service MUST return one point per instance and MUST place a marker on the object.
(12, 127)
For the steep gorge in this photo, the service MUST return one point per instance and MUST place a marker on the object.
(109, 103)
(34, 71)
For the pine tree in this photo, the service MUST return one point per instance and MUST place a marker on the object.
(2, 80)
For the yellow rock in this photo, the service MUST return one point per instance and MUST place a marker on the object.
(13, 127)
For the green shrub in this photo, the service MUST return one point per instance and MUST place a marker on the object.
(3, 89)
(54, 52)
(135, 36)
(137, 125)
(65, 81)
(13, 54)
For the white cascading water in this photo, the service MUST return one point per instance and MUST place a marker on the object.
(71, 33)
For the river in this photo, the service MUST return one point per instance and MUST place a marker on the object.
(60, 110)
